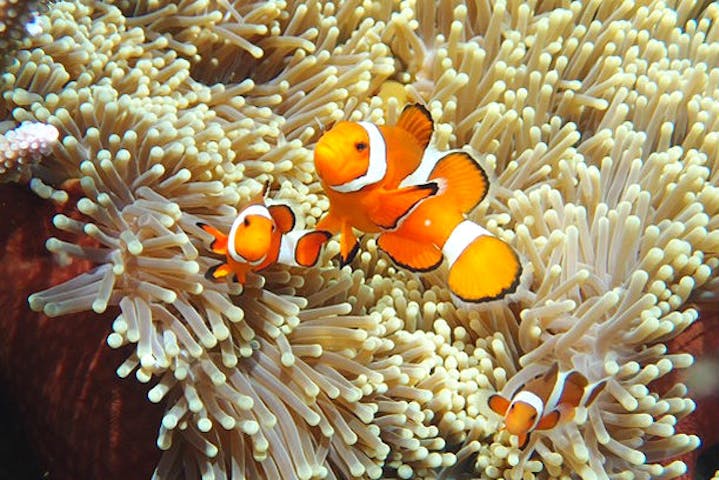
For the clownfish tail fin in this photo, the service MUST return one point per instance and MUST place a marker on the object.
(482, 267)
(309, 246)
(417, 120)
(218, 272)
(219, 244)
(465, 182)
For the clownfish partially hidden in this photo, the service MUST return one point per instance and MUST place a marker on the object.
(261, 236)
(385, 179)
(545, 401)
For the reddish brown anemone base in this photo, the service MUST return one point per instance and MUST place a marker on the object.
(701, 339)
(81, 420)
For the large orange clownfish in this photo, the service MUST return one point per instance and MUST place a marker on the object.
(361, 166)
(261, 236)
(385, 179)
(545, 401)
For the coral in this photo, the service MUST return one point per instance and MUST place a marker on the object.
(22, 148)
(596, 121)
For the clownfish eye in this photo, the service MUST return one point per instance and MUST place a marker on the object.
(246, 222)
(360, 146)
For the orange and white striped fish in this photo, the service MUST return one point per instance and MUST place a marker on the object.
(261, 236)
(545, 401)
(361, 166)
(386, 180)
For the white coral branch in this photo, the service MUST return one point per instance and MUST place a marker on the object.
(22, 147)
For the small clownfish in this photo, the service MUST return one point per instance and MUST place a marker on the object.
(261, 236)
(542, 402)
(387, 180)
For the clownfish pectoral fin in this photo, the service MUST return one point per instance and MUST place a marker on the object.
(330, 223)
(283, 216)
(498, 404)
(409, 253)
(466, 184)
(548, 421)
(389, 206)
(487, 269)
(265, 189)
(218, 272)
(309, 247)
(349, 246)
(219, 244)
(417, 120)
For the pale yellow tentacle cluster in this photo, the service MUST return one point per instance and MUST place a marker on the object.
(597, 122)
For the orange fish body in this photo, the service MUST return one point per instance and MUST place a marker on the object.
(481, 266)
(544, 401)
(361, 165)
(387, 180)
(261, 236)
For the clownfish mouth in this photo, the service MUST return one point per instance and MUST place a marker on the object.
(325, 160)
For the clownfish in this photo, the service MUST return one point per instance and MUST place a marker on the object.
(261, 236)
(361, 166)
(386, 179)
(542, 402)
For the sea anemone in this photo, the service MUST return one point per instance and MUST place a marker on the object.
(596, 122)
(15, 15)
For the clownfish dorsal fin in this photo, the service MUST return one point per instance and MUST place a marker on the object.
(259, 197)
(219, 243)
(498, 404)
(283, 216)
(417, 120)
(409, 253)
(548, 421)
(309, 246)
(389, 206)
